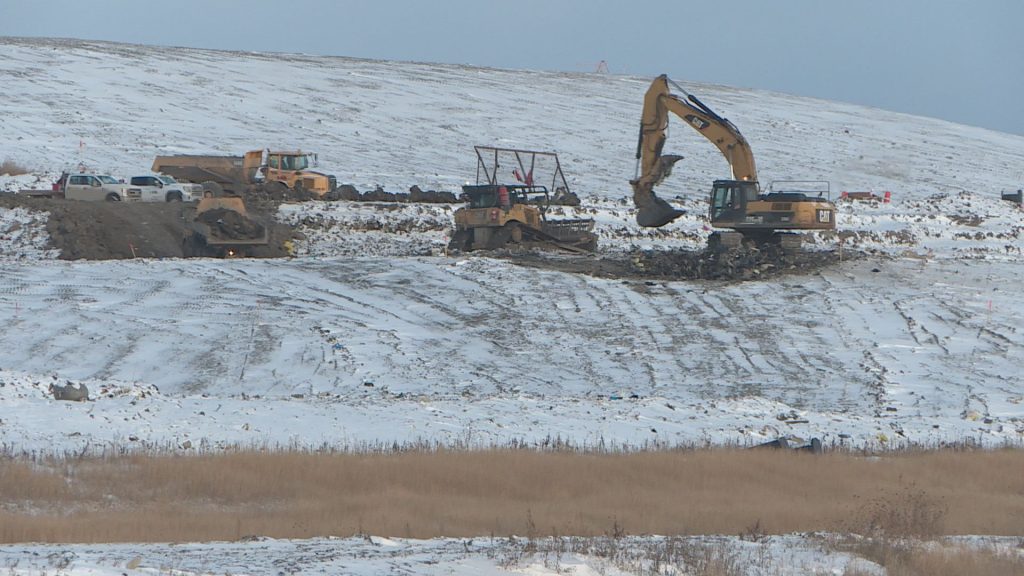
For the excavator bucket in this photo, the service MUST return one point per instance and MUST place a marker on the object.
(652, 211)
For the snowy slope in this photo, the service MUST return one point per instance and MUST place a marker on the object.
(373, 335)
(116, 106)
(477, 351)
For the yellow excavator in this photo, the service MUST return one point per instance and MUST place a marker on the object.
(736, 204)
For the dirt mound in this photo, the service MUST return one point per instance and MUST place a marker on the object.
(416, 194)
(431, 196)
(275, 193)
(119, 230)
(228, 224)
(743, 264)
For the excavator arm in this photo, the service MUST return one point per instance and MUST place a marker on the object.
(655, 167)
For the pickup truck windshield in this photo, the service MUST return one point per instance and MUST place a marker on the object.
(108, 179)
(167, 180)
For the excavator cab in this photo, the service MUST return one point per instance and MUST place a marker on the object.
(729, 200)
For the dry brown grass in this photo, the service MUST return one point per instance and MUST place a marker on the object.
(503, 492)
(918, 559)
(11, 168)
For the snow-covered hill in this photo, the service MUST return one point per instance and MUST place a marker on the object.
(372, 335)
(116, 106)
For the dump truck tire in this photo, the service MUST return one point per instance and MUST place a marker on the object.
(276, 190)
(213, 188)
(589, 244)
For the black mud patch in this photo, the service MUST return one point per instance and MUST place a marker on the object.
(740, 265)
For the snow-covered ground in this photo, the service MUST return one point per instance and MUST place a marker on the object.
(386, 338)
(372, 335)
(356, 351)
(23, 235)
(796, 555)
(784, 556)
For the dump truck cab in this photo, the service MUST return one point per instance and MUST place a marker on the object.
(293, 169)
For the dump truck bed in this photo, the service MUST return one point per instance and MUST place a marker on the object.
(200, 168)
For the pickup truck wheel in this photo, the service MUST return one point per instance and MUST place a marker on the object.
(112, 197)
(174, 197)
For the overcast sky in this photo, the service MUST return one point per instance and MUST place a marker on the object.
(960, 60)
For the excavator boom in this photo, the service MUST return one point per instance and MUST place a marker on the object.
(654, 167)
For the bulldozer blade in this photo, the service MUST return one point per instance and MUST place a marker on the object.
(652, 211)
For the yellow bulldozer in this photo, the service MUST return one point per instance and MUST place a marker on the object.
(513, 215)
(279, 173)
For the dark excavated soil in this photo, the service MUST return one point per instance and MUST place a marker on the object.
(119, 230)
(744, 264)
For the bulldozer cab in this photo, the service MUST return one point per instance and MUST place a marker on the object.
(490, 195)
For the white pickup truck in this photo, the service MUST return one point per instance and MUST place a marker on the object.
(161, 188)
(87, 186)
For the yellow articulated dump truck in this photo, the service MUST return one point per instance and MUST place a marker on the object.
(285, 174)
